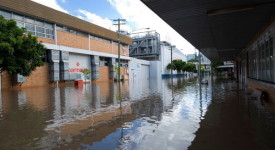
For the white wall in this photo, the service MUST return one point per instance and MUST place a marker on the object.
(166, 58)
(138, 69)
(79, 61)
(155, 69)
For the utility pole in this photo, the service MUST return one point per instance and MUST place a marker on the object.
(119, 22)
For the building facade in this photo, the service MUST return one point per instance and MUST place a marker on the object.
(168, 54)
(255, 65)
(73, 44)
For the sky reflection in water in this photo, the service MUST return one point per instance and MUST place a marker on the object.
(155, 114)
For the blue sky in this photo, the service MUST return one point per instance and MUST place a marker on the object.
(138, 16)
(100, 7)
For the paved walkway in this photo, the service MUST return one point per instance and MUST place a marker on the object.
(234, 122)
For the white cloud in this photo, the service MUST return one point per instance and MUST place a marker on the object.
(63, 1)
(52, 4)
(93, 18)
(103, 22)
(135, 11)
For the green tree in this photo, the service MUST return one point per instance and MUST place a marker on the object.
(176, 65)
(86, 73)
(215, 64)
(193, 60)
(20, 53)
(189, 67)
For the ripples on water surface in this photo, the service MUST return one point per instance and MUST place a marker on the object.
(152, 115)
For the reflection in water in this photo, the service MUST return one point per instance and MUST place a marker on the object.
(155, 114)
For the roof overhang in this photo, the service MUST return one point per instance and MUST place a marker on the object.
(220, 29)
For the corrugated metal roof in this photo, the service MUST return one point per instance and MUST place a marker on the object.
(220, 29)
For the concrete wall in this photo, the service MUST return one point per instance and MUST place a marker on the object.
(155, 69)
(165, 58)
(137, 68)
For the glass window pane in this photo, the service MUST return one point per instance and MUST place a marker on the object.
(5, 13)
(30, 27)
(72, 31)
(48, 25)
(40, 34)
(50, 36)
(30, 20)
(20, 24)
(40, 29)
(59, 28)
(18, 17)
(39, 22)
(48, 31)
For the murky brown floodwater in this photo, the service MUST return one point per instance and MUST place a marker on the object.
(152, 115)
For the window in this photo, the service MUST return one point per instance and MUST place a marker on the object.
(48, 25)
(40, 34)
(30, 27)
(17, 17)
(5, 13)
(39, 23)
(49, 31)
(59, 28)
(261, 60)
(29, 20)
(39, 29)
(20, 24)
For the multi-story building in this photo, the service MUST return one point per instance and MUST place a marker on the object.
(146, 45)
(72, 43)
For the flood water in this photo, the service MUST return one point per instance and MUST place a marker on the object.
(149, 114)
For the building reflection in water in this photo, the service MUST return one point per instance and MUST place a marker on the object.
(93, 116)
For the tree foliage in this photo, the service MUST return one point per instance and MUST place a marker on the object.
(180, 66)
(193, 60)
(214, 65)
(189, 67)
(20, 53)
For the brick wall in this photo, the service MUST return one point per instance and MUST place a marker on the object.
(100, 46)
(72, 40)
(39, 77)
(104, 74)
(254, 85)
(115, 49)
(45, 40)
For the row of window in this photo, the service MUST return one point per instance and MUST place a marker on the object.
(70, 30)
(35, 26)
(45, 29)
(262, 61)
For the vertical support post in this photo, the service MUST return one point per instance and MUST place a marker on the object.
(199, 68)
(118, 35)
(118, 23)
(55, 34)
(171, 60)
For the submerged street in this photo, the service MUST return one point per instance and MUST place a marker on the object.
(153, 114)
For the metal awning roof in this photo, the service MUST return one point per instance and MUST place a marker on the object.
(225, 66)
(220, 29)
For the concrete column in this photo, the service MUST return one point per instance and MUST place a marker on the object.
(112, 64)
(54, 57)
(95, 67)
(64, 66)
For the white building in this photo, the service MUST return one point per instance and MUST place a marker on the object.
(165, 56)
